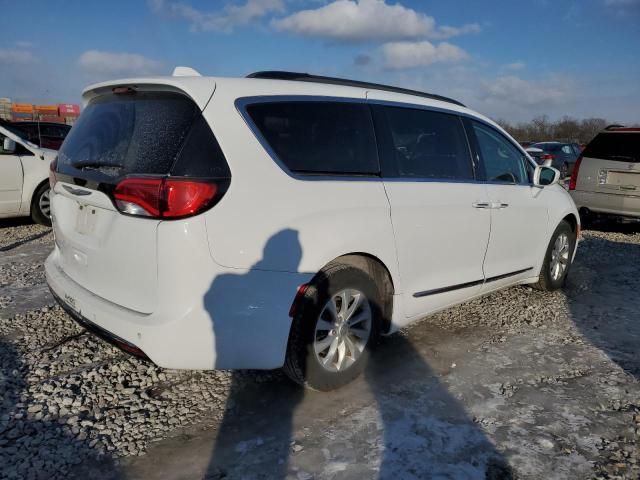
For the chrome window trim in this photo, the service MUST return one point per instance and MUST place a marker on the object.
(241, 104)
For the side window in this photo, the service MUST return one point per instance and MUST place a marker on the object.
(502, 161)
(319, 137)
(428, 144)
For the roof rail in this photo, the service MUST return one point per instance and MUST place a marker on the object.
(306, 77)
(613, 126)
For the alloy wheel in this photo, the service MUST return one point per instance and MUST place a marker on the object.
(559, 257)
(343, 330)
(44, 203)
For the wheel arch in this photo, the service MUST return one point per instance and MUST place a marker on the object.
(572, 220)
(33, 193)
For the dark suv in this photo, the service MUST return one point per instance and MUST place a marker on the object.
(563, 156)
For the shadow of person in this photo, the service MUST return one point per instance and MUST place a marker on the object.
(32, 447)
(262, 450)
(602, 293)
(396, 421)
(426, 431)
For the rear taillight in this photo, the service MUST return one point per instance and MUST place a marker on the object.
(167, 197)
(52, 173)
(574, 174)
(548, 156)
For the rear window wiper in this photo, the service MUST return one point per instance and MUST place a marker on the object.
(97, 165)
(622, 157)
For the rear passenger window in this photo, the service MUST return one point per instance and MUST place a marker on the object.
(428, 144)
(319, 137)
(503, 162)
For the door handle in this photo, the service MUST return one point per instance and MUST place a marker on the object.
(481, 205)
(499, 205)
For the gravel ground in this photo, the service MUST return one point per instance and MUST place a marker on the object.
(72, 402)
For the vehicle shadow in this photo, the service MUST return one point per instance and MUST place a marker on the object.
(602, 292)
(397, 421)
(32, 447)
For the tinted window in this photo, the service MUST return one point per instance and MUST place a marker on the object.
(428, 144)
(319, 137)
(502, 161)
(615, 146)
(142, 133)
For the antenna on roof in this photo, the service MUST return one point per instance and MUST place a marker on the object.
(185, 72)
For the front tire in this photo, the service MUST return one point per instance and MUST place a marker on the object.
(337, 322)
(41, 205)
(557, 259)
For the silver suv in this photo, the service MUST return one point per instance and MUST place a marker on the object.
(606, 177)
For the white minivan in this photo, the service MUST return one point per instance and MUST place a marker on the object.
(288, 219)
(24, 178)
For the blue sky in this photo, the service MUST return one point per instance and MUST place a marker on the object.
(511, 59)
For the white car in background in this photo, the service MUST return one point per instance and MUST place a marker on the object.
(289, 220)
(24, 178)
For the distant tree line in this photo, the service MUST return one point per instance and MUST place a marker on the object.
(566, 129)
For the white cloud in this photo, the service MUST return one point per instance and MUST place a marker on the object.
(514, 90)
(98, 62)
(223, 20)
(446, 31)
(16, 55)
(23, 44)
(401, 55)
(366, 20)
(514, 66)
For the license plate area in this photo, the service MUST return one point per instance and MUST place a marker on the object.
(629, 181)
(86, 220)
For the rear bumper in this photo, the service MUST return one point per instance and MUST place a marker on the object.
(607, 203)
(236, 319)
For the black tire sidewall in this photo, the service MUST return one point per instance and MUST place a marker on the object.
(545, 275)
(36, 214)
(324, 286)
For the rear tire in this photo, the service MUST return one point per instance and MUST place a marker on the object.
(323, 321)
(557, 260)
(41, 205)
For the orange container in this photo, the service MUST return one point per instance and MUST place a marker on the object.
(47, 109)
(22, 107)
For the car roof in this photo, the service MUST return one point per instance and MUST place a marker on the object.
(240, 87)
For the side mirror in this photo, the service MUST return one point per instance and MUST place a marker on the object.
(545, 176)
(8, 146)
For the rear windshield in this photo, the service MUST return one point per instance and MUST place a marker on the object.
(142, 133)
(624, 147)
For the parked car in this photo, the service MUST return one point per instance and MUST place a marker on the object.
(289, 220)
(42, 134)
(24, 178)
(606, 178)
(563, 156)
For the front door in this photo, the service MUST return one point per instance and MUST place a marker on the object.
(10, 180)
(519, 219)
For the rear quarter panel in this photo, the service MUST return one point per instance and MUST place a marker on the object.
(270, 220)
